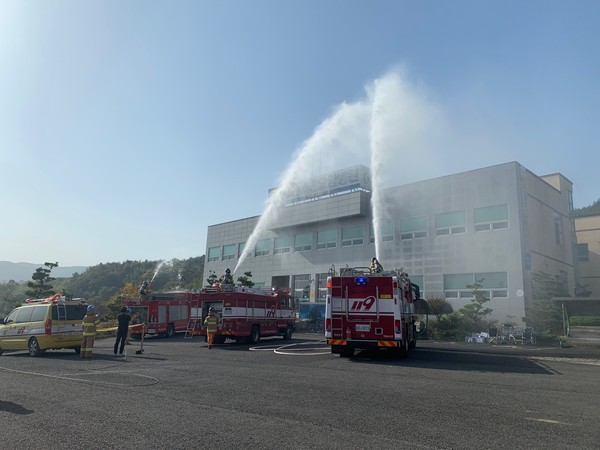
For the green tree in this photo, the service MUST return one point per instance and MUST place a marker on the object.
(545, 315)
(475, 312)
(590, 210)
(439, 305)
(11, 296)
(245, 280)
(40, 287)
(212, 278)
(449, 326)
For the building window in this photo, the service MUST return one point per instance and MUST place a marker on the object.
(282, 245)
(493, 284)
(490, 218)
(326, 239)
(418, 280)
(303, 242)
(558, 229)
(229, 251)
(241, 248)
(302, 287)
(450, 223)
(214, 254)
(583, 253)
(352, 235)
(322, 286)
(387, 231)
(413, 227)
(263, 247)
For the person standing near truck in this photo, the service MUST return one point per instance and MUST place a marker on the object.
(211, 322)
(123, 320)
(89, 324)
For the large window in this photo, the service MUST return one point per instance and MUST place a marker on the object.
(302, 242)
(322, 286)
(302, 287)
(413, 227)
(450, 223)
(241, 248)
(229, 251)
(583, 252)
(263, 247)
(490, 218)
(418, 280)
(387, 231)
(282, 245)
(352, 235)
(493, 284)
(558, 229)
(214, 254)
(326, 239)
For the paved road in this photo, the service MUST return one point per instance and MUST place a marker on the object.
(179, 394)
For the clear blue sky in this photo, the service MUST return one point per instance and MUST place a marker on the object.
(127, 128)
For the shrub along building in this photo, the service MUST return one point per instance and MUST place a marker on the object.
(497, 226)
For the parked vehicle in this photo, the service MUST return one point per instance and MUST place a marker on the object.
(245, 314)
(162, 314)
(42, 324)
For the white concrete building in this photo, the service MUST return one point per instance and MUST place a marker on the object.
(496, 225)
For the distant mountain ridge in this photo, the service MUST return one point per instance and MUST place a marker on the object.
(22, 271)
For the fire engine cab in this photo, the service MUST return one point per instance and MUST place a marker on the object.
(367, 310)
(245, 314)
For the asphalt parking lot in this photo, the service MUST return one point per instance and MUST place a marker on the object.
(295, 394)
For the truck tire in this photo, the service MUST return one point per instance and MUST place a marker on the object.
(170, 331)
(219, 339)
(255, 334)
(347, 352)
(34, 347)
(77, 350)
(404, 347)
(287, 334)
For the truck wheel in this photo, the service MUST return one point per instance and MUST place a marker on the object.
(413, 344)
(219, 339)
(34, 347)
(404, 346)
(255, 334)
(77, 350)
(170, 330)
(347, 352)
(287, 334)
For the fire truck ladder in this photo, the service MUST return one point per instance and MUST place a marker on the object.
(195, 318)
(191, 328)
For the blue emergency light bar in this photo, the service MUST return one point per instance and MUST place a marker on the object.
(361, 281)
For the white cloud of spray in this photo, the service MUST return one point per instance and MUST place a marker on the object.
(391, 129)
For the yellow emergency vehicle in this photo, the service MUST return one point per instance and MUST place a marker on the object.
(43, 324)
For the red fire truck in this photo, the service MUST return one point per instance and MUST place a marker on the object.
(367, 310)
(162, 314)
(245, 314)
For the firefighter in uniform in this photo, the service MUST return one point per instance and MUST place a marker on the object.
(211, 322)
(375, 266)
(228, 278)
(90, 322)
